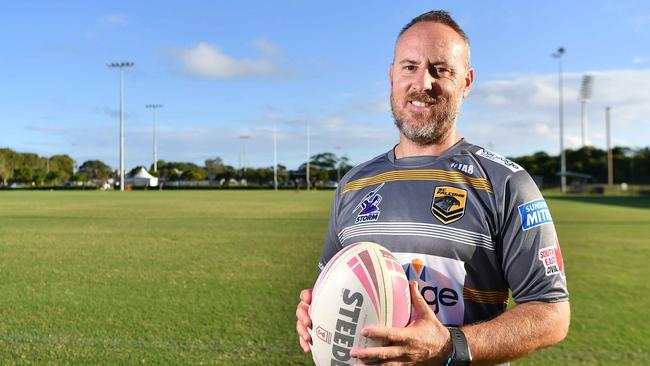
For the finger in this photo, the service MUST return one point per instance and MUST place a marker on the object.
(302, 330)
(302, 314)
(399, 361)
(303, 336)
(377, 354)
(304, 345)
(305, 296)
(420, 307)
(393, 335)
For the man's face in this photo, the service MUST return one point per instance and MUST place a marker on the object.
(429, 78)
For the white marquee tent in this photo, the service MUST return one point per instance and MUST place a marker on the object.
(142, 179)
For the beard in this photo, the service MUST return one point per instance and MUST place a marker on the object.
(430, 127)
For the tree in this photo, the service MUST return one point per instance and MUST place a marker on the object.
(96, 169)
(194, 173)
(5, 169)
(214, 166)
(326, 166)
(79, 177)
(23, 174)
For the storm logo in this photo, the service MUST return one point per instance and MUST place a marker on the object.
(448, 204)
(369, 206)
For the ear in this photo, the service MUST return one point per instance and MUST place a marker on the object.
(390, 73)
(469, 80)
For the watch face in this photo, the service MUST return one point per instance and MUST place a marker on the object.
(452, 362)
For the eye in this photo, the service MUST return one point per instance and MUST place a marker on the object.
(442, 71)
(410, 68)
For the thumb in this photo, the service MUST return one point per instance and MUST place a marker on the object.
(421, 309)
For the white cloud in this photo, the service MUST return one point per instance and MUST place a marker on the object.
(113, 20)
(520, 115)
(639, 22)
(640, 60)
(208, 61)
(266, 47)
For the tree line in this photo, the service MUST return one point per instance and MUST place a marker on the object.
(630, 165)
(59, 170)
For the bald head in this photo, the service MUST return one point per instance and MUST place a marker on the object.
(440, 17)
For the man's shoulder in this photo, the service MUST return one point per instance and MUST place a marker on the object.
(367, 168)
(493, 161)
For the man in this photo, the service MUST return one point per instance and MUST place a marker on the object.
(467, 225)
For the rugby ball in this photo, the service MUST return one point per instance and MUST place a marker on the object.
(362, 285)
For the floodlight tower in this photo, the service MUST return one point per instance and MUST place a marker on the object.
(121, 66)
(242, 164)
(308, 154)
(275, 157)
(558, 54)
(155, 144)
(610, 160)
(585, 95)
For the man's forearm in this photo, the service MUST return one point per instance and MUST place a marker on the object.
(517, 332)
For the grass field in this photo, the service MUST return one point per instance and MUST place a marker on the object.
(212, 277)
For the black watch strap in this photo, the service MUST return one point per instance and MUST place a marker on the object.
(461, 355)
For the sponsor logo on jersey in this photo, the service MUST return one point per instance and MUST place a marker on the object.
(551, 257)
(514, 167)
(465, 168)
(534, 213)
(448, 203)
(369, 206)
(440, 281)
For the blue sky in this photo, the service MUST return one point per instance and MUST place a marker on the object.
(227, 69)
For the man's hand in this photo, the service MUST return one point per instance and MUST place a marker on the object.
(424, 341)
(304, 321)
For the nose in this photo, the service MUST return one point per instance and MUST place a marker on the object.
(425, 80)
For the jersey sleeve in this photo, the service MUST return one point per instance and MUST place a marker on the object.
(530, 251)
(332, 243)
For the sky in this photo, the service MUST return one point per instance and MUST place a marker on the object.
(226, 69)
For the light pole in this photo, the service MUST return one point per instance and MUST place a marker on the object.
(155, 145)
(275, 157)
(585, 96)
(610, 160)
(308, 154)
(558, 55)
(121, 66)
(242, 163)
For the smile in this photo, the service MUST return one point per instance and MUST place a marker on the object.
(419, 104)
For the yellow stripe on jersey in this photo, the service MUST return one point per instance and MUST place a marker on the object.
(485, 297)
(419, 174)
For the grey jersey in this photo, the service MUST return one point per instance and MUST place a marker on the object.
(468, 225)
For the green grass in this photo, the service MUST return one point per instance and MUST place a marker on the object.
(212, 277)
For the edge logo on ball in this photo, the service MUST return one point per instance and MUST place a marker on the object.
(448, 203)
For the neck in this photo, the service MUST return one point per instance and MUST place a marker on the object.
(407, 148)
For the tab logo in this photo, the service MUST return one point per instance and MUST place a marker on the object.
(448, 203)
(534, 213)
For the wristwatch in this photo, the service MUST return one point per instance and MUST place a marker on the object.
(461, 355)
